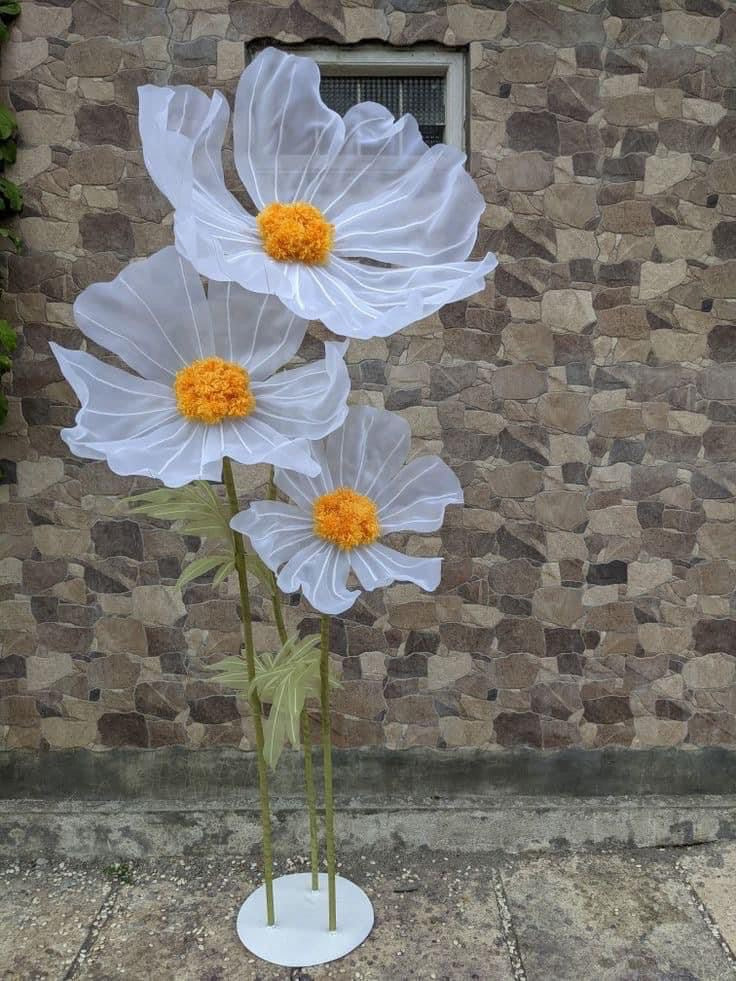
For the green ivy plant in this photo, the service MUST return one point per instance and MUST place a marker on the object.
(11, 199)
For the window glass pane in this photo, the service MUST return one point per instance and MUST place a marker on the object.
(421, 95)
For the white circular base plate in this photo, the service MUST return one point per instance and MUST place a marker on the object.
(300, 937)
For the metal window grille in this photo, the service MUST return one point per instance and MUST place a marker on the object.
(421, 95)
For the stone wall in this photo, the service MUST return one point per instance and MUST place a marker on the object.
(587, 399)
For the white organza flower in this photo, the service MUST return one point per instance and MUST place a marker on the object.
(206, 385)
(328, 190)
(363, 491)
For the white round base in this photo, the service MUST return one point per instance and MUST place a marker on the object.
(299, 937)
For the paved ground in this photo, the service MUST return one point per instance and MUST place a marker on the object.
(664, 915)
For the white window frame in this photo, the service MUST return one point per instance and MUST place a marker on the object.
(375, 59)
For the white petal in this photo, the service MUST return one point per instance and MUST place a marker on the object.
(377, 565)
(362, 301)
(254, 329)
(284, 135)
(276, 531)
(368, 449)
(133, 424)
(303, 489)
(309, 401)
(182, 132)
(429, 215)
(252, 440)
(376, 151)
(415, 500)
(320, 570)
(153, 315)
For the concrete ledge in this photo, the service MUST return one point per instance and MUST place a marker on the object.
(175, 773)
(90, 830)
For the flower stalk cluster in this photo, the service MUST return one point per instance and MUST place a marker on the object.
(360, 225)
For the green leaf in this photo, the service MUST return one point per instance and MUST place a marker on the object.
(12, 237)
(8, 337)
(231, 672)
(11, 8)
(5, 363)
(199, 567)
(4, 32)
(196, 507)
(259, 569)
(8, 124)
(12, 194)
(8, 151)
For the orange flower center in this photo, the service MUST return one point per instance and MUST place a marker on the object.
(296, 232)
(346, 518)
(211, 389)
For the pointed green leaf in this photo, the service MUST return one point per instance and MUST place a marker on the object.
(8, 124)
(199, 567)
(9, 9)
(11, 237)
(8, 337)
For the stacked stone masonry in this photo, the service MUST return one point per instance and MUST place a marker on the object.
(587, 399)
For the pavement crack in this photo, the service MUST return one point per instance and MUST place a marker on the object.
(507, 927)
(707, 916)
(98, 924)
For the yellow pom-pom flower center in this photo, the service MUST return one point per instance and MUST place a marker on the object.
(296, 232)
(212, 389)
(346, 518)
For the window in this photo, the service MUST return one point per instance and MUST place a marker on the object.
(426, 82)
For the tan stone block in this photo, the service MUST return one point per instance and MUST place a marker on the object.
(39, 20)
(528, 342)
(480, 616)
(42, 672)
(645, 577)
(565, 545)
(71, 591)
(373, 665)
(95, 56)
(157, 604)
(661, 173)
(518, 382)
(209, 24)
(659, 732)
(49, 236)
(526, 171)
(67, 733)
(568, 449)
(717, 540)
(622, 422)
(34, 477)
(365, 22)
(44, 128)
(21, 57)
(684, 28)
(63, 542)
(120, 634)
(674, 345)
(659, 277)
(515, 480)
(558, 604)
(658, 638)
(471, 23)
(568, 310)
(703, 111)
(710, 671)
(618, 520)
(682, 243)
(423, 420)
(11, 571)
(668, 103)
(571, 204)
(30, 163)
(444, 670)
(561, 509)
(636, 109)
(463, 732)
(576, 243)
(230, 59)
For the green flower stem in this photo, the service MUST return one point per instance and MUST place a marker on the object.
(310, 792)
(324, 677)
(255, 702)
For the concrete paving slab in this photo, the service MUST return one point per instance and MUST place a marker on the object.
(45, 915)
(610, 917)
(434, 919)
(711, 871)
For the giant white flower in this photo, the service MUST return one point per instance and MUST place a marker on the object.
(205, 386)
(329, 191)
(363, 491)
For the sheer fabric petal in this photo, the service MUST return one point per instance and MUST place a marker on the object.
(303, 489)
(376, 151)
(309, 401)
(368, 449)
(428, 215)
(321, 571)
(254, 329)
(276, 530)
(415, 500)
(284, 134)
(253, 440)
(356, 300)
(153, 315)
(376, 565)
